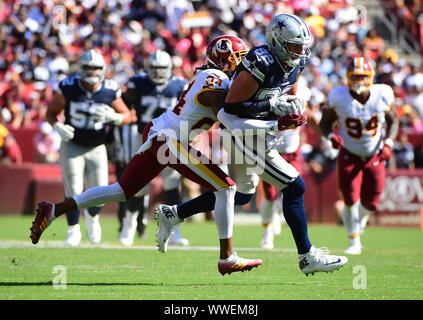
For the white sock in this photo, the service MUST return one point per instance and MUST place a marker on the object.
(100, 195)
(224, 212)
(266, 211)
(131, 215)
(351, 219)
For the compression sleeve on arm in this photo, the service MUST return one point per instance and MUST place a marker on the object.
(241, 125)
(247, 107)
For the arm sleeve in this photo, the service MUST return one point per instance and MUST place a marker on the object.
(247, 107)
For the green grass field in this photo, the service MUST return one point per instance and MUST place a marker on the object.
(391, 266)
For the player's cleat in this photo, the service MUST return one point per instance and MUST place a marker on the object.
(320, 260)
(167, 218)
(173, 241)
(235, 264)
(43, 218)
(93, 227)
(267, 237)
(129, 227)
(354, 250)
(73, 238)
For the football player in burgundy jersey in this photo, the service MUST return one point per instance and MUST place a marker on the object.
(362, 110)
(150, 94)
(166, 143)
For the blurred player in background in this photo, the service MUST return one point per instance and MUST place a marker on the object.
(262, 90)
(9, 148)
(362, 110)
(166, 143)
(287, 143)
(150, 95)
(89, 102)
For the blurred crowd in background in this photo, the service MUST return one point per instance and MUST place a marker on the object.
(41, 41)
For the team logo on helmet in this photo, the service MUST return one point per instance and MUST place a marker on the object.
(224, 45)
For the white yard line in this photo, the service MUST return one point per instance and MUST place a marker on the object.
(5, 244)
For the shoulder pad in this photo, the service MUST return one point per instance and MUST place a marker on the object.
(336, 95)
(111, 84)
(258, 61)
(387, 94)
(213, 79)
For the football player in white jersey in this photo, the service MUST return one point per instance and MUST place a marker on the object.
(287, 143)
(261, 100)
(363, 111)
(89, 102)
(150, 94)
(166, 144)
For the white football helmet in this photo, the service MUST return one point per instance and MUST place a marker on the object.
(159, 67)
(288, 28)
(92, 58)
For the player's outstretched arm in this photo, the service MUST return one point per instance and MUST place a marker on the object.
(329, 116)
(392, 124)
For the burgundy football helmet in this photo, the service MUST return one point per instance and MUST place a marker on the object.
(225, 53)
(360, 75)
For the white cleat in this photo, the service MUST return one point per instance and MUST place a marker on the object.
(267, 238)
(236, 264)
(129, 228)
(320, 260)
(174, 241)
(93, 227)
(353, 250)
(73, 238)
(167, 219)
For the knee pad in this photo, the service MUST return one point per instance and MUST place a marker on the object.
(295, 188)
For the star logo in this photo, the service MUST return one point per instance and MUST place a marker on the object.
(282, 24)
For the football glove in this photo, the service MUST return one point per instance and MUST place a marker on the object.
(386, 152)
(106, 114)
(65, 131)
(336, 140)
(292, 121)
(282, 105)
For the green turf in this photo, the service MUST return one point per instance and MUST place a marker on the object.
(392, 260)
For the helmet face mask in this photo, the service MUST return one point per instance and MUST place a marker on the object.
(360, 75)
(159, 67)
(225, 53)
(285, 35)
(92, 67)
